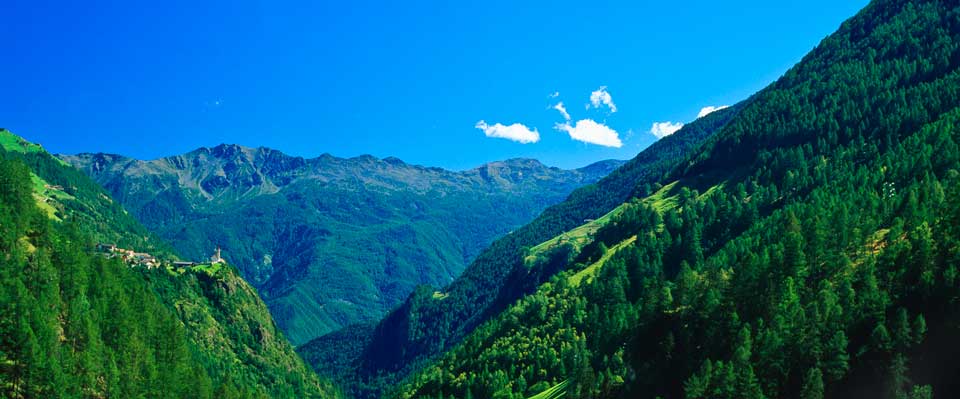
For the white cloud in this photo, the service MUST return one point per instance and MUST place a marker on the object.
(562, 109)
(601, 96)
(516, 132)
(710, 109)
(664, 129)
(555, 94)
(588, 131)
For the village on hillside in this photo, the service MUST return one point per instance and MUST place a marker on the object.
(143, 259)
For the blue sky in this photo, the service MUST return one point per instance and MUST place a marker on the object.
(406, 79)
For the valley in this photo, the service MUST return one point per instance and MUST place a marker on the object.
(330, 241)
(800, 242)
(82, 319)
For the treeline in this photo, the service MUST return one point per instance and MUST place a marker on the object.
(422, 327)
(75, 324)
(94, 213)
(811, 251)
(234, 334)
(833, 295)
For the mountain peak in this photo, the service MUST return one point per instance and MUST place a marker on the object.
(367, 158)
(603, 167)
(528, 162)
(394, 161)
(229, 150)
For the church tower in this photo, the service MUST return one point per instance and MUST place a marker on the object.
(216, 257)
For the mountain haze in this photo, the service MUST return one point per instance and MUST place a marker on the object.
(331, 241)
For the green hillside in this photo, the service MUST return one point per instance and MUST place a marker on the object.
(66, 193)
(807, 250)
(233, 331)
(330, 241)
(368, 359)
(13, 143)
(77, 324)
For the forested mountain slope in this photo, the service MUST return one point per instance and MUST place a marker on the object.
(331, 241)
(77, 324)
(809, 249)
(60, 190)
(367, 358)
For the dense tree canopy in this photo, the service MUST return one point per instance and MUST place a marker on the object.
(368, 357)
(77, 324)
(330, 241)
(807, 250)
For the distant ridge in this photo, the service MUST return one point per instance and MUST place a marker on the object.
(807, 248)
(331, 241)
(77, 322)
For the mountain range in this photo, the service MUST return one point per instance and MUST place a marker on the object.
(330, 241)
(367, 357)
(799, 244)
(803, 243)
(78, 322)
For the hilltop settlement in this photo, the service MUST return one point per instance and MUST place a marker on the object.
(143, 259)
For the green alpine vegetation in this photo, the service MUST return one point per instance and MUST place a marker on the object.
(77, 324)
(232, 329)
(366, 358)
(330, 241)
(806, 247)
(807, 250)
(804, 243)
(61, 190)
